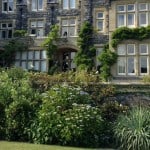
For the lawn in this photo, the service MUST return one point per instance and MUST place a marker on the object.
(25, 146)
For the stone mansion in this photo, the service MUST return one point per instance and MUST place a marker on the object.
(37, 16)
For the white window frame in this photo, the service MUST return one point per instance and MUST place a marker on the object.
(100, 19)
(141, 53)
(37, 5)
(121, 10)
(8, 2)
(128, 8)
(143, 4)
(68, 25)
(147, 65)
(68, 3)
(140, 24)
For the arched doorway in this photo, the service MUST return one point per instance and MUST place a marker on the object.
(65, 57)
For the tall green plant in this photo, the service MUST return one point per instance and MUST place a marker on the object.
(133, 130)
(50, 44)
(107, 59)
(84, 58)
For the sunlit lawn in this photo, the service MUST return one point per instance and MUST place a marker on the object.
(25, 146)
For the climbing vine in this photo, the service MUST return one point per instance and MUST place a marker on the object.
(125, 33)
(84, 58)
(50, 44)
(7, 56)
(107, 59)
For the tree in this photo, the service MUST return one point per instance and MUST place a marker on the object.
(85, 56)
(50, 44)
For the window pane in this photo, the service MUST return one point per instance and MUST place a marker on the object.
(17, 63)
(131, 65)
(131, 19)
(143, 48)
(64, 22)
(121, 49)
(43, 66)
(10, 5)
(40, 23)
(64, 31)
(142, 6)
(143, 64)
(121, 65)
(40, 4)
(4, 34)
(37, 55)
(9, 33)
(5, 6)
(4, 25)
(30, 65)
(131, 49)
(143, 19)
(121, 8)
(100, 15)
(24, 55)
(72, 21)
(65, 4)
(72, 4)
(121, 20)
(100, 25)
(23, 64)
(37, 65)
(131, 7)
(72, 31)
(43, 55)
(30, 55)
(40, 33)
(33, 23)
(34, 4)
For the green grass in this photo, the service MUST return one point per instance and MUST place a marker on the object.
(27, 146)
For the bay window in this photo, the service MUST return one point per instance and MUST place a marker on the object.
(100, 21)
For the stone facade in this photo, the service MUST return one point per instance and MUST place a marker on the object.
(37, 16)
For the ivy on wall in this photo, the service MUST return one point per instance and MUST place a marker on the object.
(50, 45)
(125, 33)
(84, 58)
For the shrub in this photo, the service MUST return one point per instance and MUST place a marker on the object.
(133, 130)
(19, 115)
(2, 121)
(66, 117)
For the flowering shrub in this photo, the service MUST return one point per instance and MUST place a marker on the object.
(66, 117)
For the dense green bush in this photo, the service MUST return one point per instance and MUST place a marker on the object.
(2, 121)
(19, 115)
(132, 131)
(67, 118)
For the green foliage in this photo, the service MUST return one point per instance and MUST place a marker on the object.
(125, 33)
(133, 130)
(19, 116)
(50, 44)
(2, 121)
(85, 55)
(20, 33)
(8, 55)
(107, 59)
(146, 79)
(66, 117)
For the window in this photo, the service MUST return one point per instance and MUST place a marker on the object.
(7, 5)
(69, 4)
(37, 5)
(68, 27)
(143, 19)
(142, 7)
(126, 15)
(37, 28)
(126, 59)
(6, 30)
(100, 21)
(35, 60)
